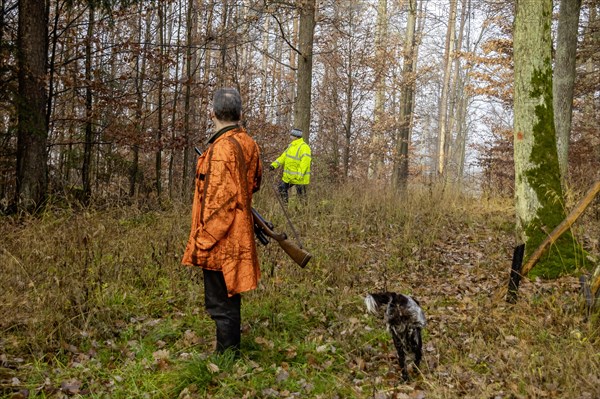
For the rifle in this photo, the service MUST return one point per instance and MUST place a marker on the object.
(263, 230)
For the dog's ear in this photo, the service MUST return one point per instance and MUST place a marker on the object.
(382, 298)
(376, 300)
(371, 304)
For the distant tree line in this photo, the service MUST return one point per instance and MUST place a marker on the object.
(105, 99)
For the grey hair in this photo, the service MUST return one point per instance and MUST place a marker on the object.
(227, 105)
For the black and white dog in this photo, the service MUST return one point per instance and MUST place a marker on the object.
(404, 319)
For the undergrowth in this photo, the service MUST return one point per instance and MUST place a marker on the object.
(96, 304)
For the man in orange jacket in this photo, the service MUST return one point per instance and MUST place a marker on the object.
(221, 240)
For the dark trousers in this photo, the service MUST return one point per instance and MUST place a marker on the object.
(224, 310)
(300, 190)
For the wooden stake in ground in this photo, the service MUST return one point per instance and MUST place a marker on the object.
(557, 232)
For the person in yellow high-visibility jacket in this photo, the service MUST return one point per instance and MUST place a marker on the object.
(296, 166)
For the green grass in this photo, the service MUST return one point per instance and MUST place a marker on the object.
(97, 305)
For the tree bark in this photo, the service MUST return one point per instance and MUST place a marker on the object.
(564, 78)
(443, 111)
(140, 77)
(172, 154)
(32, 131)
(191, 62)
(305, 62)
(378, 139)
(159, 110)
(538, 191)
(89, 103)
(400, 180)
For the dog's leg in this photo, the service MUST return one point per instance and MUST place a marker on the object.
(401, 354)
(418, 347)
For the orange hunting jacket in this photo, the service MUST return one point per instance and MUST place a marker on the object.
(222, 233)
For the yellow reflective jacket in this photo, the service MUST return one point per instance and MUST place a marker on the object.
(296, 162)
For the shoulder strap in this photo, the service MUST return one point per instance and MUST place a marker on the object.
(239, 153)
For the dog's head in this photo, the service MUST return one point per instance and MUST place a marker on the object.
(396, 306)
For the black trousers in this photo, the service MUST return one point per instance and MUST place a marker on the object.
(284, 188)
(224, 310)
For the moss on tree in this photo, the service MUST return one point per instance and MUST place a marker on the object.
(565, 255)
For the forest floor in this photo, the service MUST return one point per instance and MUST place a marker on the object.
(95, 304)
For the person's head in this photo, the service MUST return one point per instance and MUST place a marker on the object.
(227, 105)
(296, 133)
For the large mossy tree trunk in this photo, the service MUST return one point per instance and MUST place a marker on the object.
(32, 55)
(538, 194)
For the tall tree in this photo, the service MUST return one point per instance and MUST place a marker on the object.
(379, 126)
(143, 37)
(538, 191)
(89, 103)
(32, 180)
(564, 77)
(305, 65)
(400, 176)
(443, 109)
(159, 110)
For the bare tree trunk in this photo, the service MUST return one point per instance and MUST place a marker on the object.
(189, 100)
(140, 77)
(293, 86)
(378, 144)
(174, 111)
(32, 135)
(223, 69)
(564, 78)
(265, 65)
(89, 111)
(305, 61)
(453, 134)
(400, 178)
(161, 80)
(443, 111)
(349, 113)
(51, 64)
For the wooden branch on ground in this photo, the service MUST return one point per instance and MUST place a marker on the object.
(595, 283)
(561, 228)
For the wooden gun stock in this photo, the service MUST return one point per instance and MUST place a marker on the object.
(263, 228)
(298, 255)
